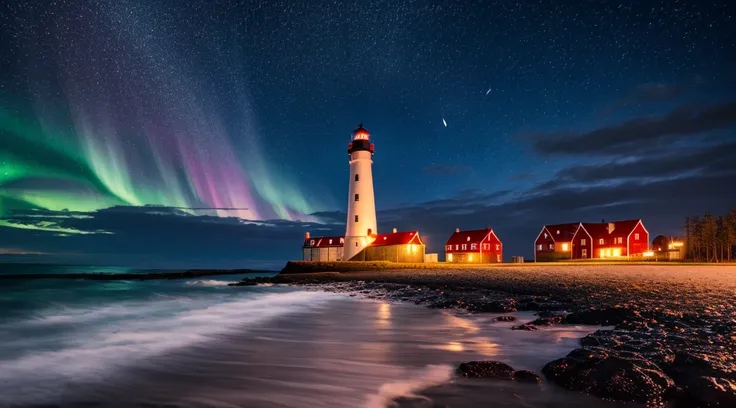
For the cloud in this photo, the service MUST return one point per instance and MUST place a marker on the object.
(639, 134)
(447, 169)
(19, 251)
(649, 93)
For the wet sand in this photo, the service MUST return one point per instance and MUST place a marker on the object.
(345, 352)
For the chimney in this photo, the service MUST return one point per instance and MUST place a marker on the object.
(306, 235)
(457, 229)
(603, 221)
(394, 230)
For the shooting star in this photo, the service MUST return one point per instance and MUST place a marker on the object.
(489, 91)
(444, 122)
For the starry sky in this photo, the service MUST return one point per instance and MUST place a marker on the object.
(213, 133)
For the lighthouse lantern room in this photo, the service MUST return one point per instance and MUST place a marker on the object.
(361, 223)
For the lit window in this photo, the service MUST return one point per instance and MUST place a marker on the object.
(545, 235)
(600, 241)
(449, 257)
(539, 247)
(357, 178)
(468, 239)
(488, 246)
(342, 240)
(356, 218)
(311, 243)
(565, 247)
(330, 242)
(582, 242)
(356, 197)
(465, 247)
(498, 247)
(449, 247)
(620, 240)
(457, 247)
(558, 232)
(551, 246)
(636, 237)
(473, 247)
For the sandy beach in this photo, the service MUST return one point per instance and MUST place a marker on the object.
(673, 336)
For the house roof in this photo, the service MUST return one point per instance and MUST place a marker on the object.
(566, 231)
(324, 242)
(601, 229)
(465, 237)
(397, 238)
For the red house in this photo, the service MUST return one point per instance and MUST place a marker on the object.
(554, 242)
(397, 246)
(616, 239)
(322, 248)
(477, 246)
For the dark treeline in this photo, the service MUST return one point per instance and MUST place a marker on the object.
(711, 238)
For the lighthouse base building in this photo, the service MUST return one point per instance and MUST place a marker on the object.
(362, 242)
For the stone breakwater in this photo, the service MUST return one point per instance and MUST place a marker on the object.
(674, 327)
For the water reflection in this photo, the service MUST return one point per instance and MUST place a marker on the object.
(384, 316)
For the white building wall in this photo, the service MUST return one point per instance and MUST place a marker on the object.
(356, 232)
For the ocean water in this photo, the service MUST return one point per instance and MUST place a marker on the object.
(201, 343)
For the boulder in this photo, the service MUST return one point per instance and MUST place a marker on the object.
(526, 376)
(548, 321)
(505, 319)
(497, 306)
(609, 374)
(609, 316)
(486, 369)
(526, 327)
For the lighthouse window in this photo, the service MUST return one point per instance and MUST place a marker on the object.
(356, 218)
(357, 178)
(356, 197)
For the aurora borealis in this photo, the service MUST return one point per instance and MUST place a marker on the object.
(213, 132)
(106, 112)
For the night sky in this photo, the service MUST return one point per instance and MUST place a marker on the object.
(120, 120)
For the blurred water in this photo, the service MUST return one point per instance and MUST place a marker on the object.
(192, 343)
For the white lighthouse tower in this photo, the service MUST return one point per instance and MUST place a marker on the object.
(361, 223)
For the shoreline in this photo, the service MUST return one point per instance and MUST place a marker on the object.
(674, 336)
(191, 273)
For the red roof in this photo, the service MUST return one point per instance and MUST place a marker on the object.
(566, 231)
(601, 229)
(397, 238)
(476, 236)
(324, 242)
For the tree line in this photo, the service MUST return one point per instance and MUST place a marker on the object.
(711, 238)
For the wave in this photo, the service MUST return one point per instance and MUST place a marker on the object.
(209, 282)
(431, 376)
(81, 344)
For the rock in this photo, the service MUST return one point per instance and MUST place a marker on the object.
(497, 306)
(548, 321)
(710, 391)
(526, 376)
(607, 317)
(485, 369)
(252, 281)
(525, 326)
(505, 319)
(608, 374)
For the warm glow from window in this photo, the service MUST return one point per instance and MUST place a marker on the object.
(565, 247)
(648, 254)
(449, 257)
(617, 252)
(470, 258)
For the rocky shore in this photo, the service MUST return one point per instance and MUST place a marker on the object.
(674, 328)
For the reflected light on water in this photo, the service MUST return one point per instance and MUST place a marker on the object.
(460, 323)
(384, 316)
(484, 346)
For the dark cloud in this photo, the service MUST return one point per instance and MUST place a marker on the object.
(649, 93)
(447, 169)
(521, 177)
(640, 133)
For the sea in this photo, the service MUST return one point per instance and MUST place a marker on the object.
(202, 343)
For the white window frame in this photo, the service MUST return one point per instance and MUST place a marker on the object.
(473, 247)
(583, 242)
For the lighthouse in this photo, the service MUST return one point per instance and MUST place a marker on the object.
(361, 223)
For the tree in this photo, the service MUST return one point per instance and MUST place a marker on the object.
(688, 250)
(730, 233)
(697, 231)
(709, 233)
(721, 238)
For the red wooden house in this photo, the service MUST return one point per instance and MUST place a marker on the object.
(628, 238)
(554, 242)
(322, 248)
(477, 246)
(397, 246)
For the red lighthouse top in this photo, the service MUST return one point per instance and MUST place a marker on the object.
(361, 141)
(361, 133)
